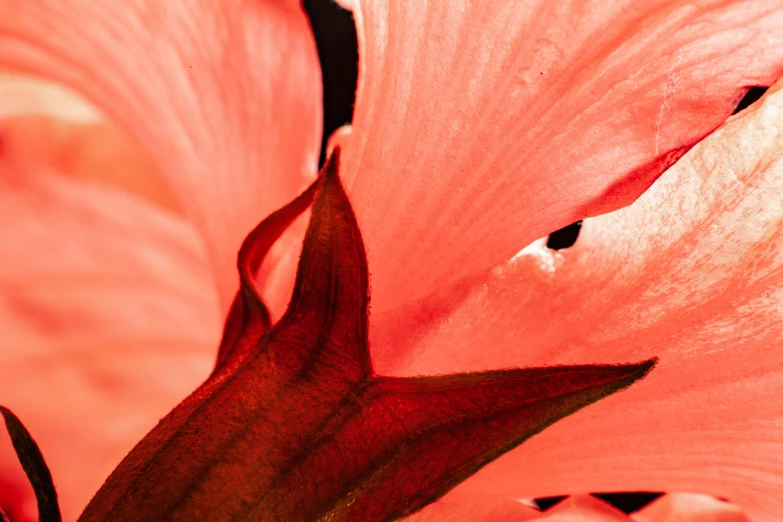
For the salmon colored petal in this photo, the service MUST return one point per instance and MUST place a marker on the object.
(689, 507)
(584, 508)
(470, 507)
(475, 508)
(47, 124)
(225, 96)
(107, 320)
(482, 127)
(691, 273)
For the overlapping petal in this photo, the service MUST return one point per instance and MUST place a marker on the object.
(464, 507)
(477, 508)
(689, 507)
(51, 126)
(480, 127)
(691, 273)
(108, 320)
(224, 95)
(701, 287)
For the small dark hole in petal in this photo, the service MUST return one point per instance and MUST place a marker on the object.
(628, 502)
(338, 52)
(545, 503)
(751, 97)
(625, 502)
(335, 36)
(565, 237)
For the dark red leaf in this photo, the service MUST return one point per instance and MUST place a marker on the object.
(248, 319)
(298, 427)
(34, 467)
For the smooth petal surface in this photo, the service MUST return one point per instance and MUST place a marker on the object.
(225, 96)
(108, 320)
(689, 507)
(48, 125)
(480, 127)
(692, 273)
(475, 508)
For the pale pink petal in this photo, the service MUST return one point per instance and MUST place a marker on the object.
(23, 95)
(108, 318)
(481, 126)
(691, 273)
(689, 507)
(225, 96)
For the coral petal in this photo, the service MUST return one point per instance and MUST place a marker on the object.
(225, 97)
(693, 273)
(475, 508)
(689, 507)
(99, 293)
(47, 124)
(481, 128)
(298, 426)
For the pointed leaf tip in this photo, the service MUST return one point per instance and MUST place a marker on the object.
(431, 433)
(303, 429)
(248, 319)
(34, 467)
(331, 291)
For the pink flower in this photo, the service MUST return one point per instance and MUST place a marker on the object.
(478, 129)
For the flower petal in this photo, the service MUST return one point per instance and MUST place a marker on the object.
(692, 273)
(47, 124)
(689, 507)
(480, 128)
(108, 320)
(225, 96)
(475, 508)
(466, 507)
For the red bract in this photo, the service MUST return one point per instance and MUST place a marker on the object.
(477, 130)
(294, 424)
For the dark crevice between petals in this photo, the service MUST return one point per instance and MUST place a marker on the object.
(627, 502)
(338, 52)
(565, 237)
(295, 424)
(34, 467)
(545, 503)
(630, 501)
(751, 96)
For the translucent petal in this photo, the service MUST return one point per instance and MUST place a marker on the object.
(692, 273)
(224, 96)
(689, 507)
(108, 320)
(480, 127)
